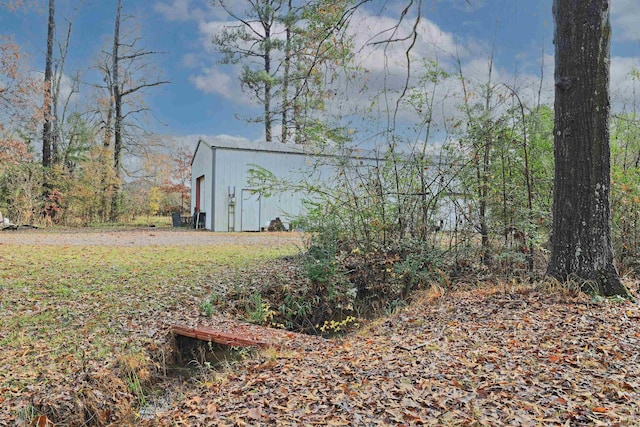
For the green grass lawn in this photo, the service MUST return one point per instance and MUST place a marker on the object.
(69, 313)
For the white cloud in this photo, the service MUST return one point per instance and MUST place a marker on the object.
(213, 81)
(207, 30)
(385, 64)
(623, 88)
(68, 91)
(371, 31)
(178, 10)
(625, 16)
(186, 10)
(207, 76)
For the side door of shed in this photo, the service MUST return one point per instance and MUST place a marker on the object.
(250, 210)
(200, 194)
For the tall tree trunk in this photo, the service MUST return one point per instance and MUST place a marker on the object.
(483, 172)
(57, 103)
(267, 83)
(297, 117)
(581, 234)
(47, 131)
(106, 158)
(108, 125)
(117, 124)
(286, 76)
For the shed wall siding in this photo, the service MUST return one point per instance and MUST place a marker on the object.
(232, 173)
(225, 165)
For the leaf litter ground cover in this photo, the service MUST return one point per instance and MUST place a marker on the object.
(77, 337)
(512, 355)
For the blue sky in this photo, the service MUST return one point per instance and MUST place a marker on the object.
(204, 97)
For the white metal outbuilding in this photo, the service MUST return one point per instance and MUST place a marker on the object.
(220, 188)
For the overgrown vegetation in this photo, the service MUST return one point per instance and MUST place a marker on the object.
(415, 214)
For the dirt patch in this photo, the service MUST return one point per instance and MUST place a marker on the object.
(144, 237)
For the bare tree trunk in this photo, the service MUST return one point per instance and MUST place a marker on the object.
(581, 234)
(482, 174)
(47, 131)
(297, 118)
(105, 152)
(56, 102)
(483, 170)
(108, 125)
(286, 77)
(267, 84)
(125, 75)
(117, 125)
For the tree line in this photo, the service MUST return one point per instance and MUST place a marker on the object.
(63, 159)
(509, 181)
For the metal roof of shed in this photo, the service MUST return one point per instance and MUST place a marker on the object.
(236, 143)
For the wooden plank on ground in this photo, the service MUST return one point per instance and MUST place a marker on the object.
(235, 339)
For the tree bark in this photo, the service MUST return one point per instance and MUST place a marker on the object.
(581, 234)
(285, 79)
(47, 131)
(117, 124)
(267, 84)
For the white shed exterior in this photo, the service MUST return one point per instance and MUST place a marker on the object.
(220, 185)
